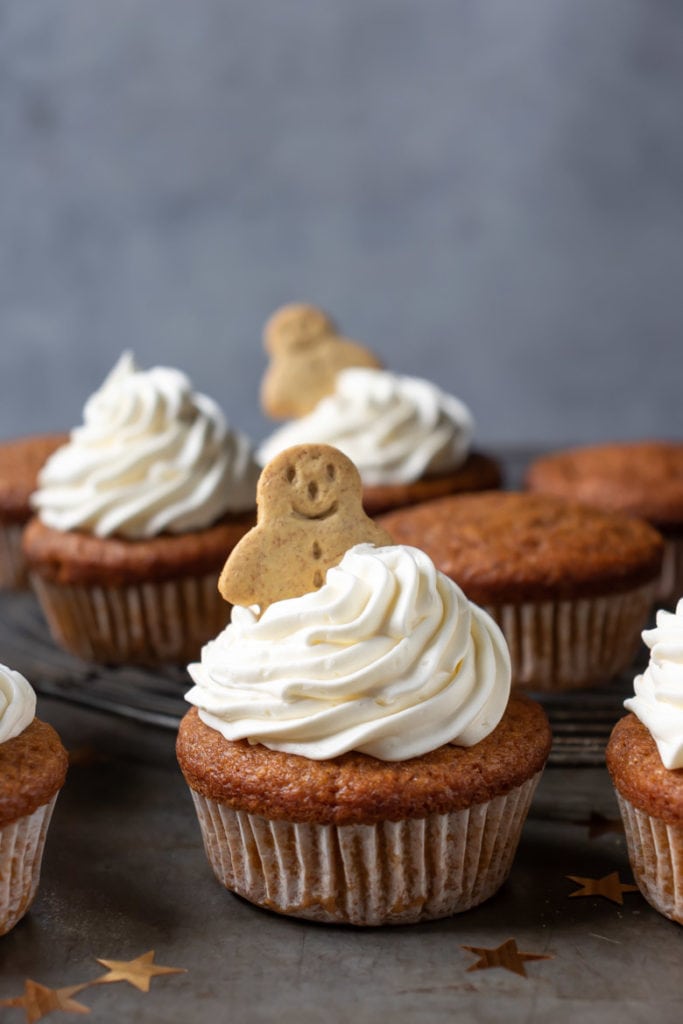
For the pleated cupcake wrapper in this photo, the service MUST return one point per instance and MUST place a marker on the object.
(143, 623)
(655, 851)
(387, 873)
(671, 580)
(562, 645)
(21, 852)
(13, 575)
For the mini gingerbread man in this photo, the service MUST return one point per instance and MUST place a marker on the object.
(307, 353)
(310, 513)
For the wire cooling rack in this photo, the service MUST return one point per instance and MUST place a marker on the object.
(581, 720)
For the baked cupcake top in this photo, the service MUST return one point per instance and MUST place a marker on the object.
(387, 658)
(395, 429)
(33, 762)
(658, 700)
(640, 478)
(152, 456)
(508, 546)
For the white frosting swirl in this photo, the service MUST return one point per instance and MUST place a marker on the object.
(17, 703)
(151, 456)
(395, 429)
(388, 658)
(658, 701)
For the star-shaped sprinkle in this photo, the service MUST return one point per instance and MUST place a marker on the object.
(39, 1000)
(599, 825)
(610, 886)
(507, 955)
(138, 972)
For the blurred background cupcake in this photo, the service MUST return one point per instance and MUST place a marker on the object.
(33, 766)
(645, 760)
(20, 461)
(135, 516)
(410, 440)
(642, 479)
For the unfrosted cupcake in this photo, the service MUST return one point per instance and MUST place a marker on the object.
(645, 760)
(409, 440)
(33, 767)
(135, 516)
(570, 586)
(20, 462)
(352, 754)
(642, 478)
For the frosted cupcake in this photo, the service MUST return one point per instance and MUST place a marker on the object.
(410, 440)
(135, 516)
(33, 767)
(645, 760)
(352, 752)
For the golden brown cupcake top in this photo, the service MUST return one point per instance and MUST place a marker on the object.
(355, 788)
(641, 478)
(75, 557)
(32, 769)
(638, 774)
(508, 546)
(20, 462)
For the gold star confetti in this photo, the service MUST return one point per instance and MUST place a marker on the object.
(610, 886)
(138, 972)
(507, 955)
(39, 1000)
(599, 825)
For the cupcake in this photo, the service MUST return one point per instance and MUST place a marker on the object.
(643, 479)
(570, 586)
(33, 767)
(20, 461)
(352, 752)
(409, 440)
(134, 518)
(645, 760)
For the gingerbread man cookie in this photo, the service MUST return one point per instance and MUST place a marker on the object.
(307, 353)
(309, 513)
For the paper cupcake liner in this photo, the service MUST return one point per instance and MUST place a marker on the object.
(563, 645)
(671, 580)
(13, 574)
(388, 873)
(146, 623)
(21, 851)
(655, 851)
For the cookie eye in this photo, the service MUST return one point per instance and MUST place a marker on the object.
(290, 474)
(318, 579)
(330, 471)
(313, 490)
(316, 550)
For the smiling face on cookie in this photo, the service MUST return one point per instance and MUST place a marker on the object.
(309, 482)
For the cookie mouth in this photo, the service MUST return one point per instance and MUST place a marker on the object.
(317, 516)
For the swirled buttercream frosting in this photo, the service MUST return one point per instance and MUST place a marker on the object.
(151, 456)
(388, 658)
(17, 703)
(396, 429)
(658, 700)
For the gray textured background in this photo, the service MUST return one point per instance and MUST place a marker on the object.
(488, 192)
